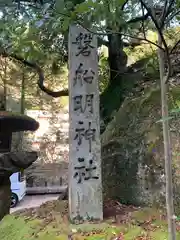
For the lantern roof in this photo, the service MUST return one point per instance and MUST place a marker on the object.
(15, 122)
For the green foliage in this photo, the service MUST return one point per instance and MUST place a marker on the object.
(36, 32)
(103, 73)
(40, 34)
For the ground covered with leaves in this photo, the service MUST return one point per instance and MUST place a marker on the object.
(50, 222)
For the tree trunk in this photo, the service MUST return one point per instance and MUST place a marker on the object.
(117, 64)
(5, 196)
(167, 145)
(117, 59)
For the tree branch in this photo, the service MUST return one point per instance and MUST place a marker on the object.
(174, 47)
(172, 2)
(142, 39)
(143, 27)
(109, 32)
(138, 19)
(155, 23)
(28, 5)
(124, 4)
(131, 44)
(164, 12)
(40, 73)
(172, 16)
(159, 28)
(29, 1)
(102, 42)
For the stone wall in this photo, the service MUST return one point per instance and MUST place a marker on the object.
(51, 140)
(47, 175)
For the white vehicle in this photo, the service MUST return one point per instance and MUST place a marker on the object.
(18, 188)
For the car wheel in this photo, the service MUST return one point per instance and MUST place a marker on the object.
(14, 200)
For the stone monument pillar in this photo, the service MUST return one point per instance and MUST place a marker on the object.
(85, 187)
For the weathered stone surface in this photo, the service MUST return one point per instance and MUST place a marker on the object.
(15, 122)
(12, 162)
(42, 174)
(85, 189)
(133, 153)
(5, 196)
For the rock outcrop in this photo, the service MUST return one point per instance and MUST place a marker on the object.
(132, 149)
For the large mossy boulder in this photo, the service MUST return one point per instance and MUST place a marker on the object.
(133, 151)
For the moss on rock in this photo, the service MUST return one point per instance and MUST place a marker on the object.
(132, 149)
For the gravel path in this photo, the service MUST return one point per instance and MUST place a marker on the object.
(34, 201)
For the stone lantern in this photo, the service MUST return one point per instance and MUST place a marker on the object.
(12, 162)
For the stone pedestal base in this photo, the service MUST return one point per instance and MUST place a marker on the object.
(5, 196)
(11, 162)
